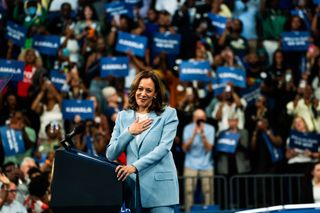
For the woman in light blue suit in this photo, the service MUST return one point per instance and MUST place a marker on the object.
(145, 131)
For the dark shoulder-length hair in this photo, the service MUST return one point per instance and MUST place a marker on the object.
(158, 102)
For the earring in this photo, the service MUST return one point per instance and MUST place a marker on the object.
(155, 97)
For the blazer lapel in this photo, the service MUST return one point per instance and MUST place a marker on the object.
(133, 144)
(155, 118)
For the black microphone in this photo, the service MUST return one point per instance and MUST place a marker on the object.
(67, 142)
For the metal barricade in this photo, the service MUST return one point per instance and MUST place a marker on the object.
(254, 191)
(250, 191)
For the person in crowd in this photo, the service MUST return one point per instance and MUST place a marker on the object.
(230, 103)
(311, 187)
(88, 26)
(47, 106)
(266, 146)
(69, 53)
(38, 200)
(300, 160)
(54, 135)
(258, 111)
(101, 121)
(87, 29)
(237, 162)
(9, 106)
(198, 141)
(33, 61)
(113, 106)
(64, 20)
(247, 12)
(34, 13)
(11, 204)
(5, 185)
(232, 38)
(19, 122)
(271, 24)
(145, 131)
(305, 106)
(218, 7)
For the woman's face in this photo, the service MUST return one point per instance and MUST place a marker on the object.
(145, 93)
(299, 125)
(87, 12)
(30, 57)
(295, 23)
(279, 57)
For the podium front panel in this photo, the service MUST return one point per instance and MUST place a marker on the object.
(84, 182)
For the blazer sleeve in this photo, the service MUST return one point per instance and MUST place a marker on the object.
(164, 147)
(119, 140)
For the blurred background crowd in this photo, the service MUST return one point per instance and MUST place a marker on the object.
(287, 83)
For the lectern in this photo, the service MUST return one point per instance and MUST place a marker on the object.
(84, 183)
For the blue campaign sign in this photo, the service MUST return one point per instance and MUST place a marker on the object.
(304, 141)
(295, 41)
(166, 42)
(218, 22)
(227, 142)
(115, 66)
(133, 2)
(250, 94)
(231, 75)
(71, 108)
(194, 70)
(11, 67)
(12, 141)
(131, 43)
(58, 79)
(118, 8)
(316, 1)
(4, 81)
(16, 33)
(217, 87)
(47, 45)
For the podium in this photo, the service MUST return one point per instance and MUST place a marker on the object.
(84, 183)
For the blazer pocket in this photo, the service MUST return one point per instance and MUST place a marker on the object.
(163, 176)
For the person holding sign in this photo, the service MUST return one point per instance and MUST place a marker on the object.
(198, 141)
(302, 148)
(145, 131)
(266, 147)
(233, 149)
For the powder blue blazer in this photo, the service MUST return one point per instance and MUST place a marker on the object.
(151, 156)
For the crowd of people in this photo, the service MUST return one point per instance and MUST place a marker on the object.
(275, 130)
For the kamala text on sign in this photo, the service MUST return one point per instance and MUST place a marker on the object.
(58, 79)
(194, 70)
(231, 75)
(83, 108)
(218, 22)
(48, 45)
(115, 66)
(131, 43)
(11, 67)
